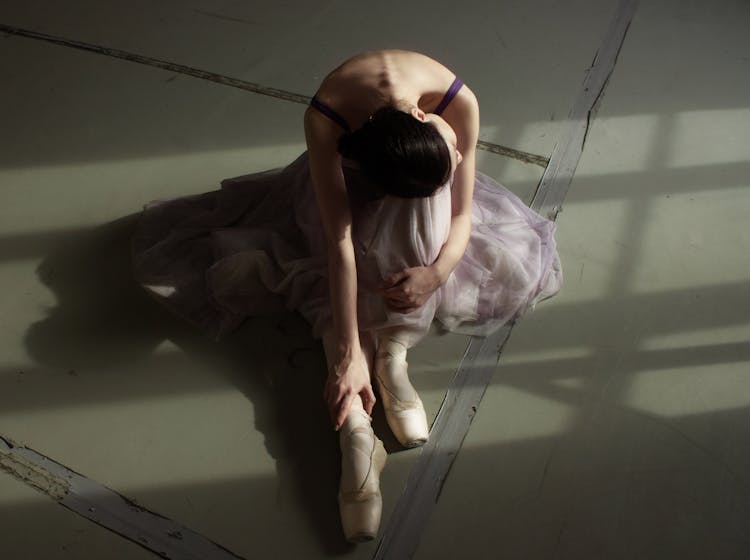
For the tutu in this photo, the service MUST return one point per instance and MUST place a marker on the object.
(257, 246)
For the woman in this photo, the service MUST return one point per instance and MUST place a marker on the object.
(382, 226)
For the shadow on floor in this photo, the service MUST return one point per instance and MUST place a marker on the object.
(105, 325)
(627, 485)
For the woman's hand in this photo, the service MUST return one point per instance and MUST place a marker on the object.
(349, 378)
(410, 289)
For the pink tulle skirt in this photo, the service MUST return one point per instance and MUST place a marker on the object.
(257, 246)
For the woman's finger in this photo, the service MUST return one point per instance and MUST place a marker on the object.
(407, 310)
(334, 393)
(401, 305)
(405, 307)
(333, 407)
(395, 292)
(393, 279)
(368, 399)
(396, 304)
(398, 297)
(343, 411)
(396, 307)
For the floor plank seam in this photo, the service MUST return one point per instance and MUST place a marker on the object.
(284, 95)
(107, 508)
(428, 476)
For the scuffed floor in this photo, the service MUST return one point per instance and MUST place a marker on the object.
(617, 423)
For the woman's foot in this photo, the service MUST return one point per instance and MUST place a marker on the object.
(403, 408)
(362, 460)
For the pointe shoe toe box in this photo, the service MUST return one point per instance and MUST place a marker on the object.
(360, 516)
(407, 419)
(361, 508)
(409, 425)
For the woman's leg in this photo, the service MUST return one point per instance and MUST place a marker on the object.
(362, 459)
(403, 408)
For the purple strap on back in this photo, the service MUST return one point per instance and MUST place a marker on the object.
(330, 113)
(341, 121)
(449, 95)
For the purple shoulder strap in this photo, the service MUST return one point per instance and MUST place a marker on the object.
(449, 95)
(330, 113)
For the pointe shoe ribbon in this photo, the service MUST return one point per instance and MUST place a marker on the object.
(406, 417)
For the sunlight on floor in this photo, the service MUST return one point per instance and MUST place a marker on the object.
(675, 392)
(709, 137)
(27, 191)
(698, 337)
(215, 454)
(545, 354)
(533, 417)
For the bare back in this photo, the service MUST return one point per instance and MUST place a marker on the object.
(368, 81)
(354, 91)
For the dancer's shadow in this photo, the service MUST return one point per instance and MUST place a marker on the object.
(104, 322)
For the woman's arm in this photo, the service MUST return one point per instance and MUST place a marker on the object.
(409, 289)
(351, 374)
(463, 116)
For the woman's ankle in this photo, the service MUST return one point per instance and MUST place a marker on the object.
(389, 346)
(357, 417)
(391, 369)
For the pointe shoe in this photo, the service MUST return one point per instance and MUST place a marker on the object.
(360, 501)
(404, 413)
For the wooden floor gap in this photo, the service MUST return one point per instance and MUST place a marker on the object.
(524, 157)
(428, 475)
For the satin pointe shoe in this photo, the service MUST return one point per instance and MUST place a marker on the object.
(403, 408)
(360, 501)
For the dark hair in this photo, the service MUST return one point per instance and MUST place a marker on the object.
(403, 156)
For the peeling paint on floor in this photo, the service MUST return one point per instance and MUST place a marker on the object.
(106, 507)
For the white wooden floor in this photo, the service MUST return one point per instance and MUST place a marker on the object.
(618, 421)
